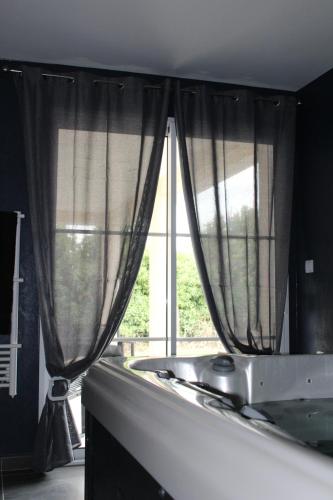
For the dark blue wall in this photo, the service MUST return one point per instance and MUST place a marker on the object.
(18, 416)
(312, 294)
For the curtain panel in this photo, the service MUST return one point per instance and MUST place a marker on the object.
(93, 151)
(237, 157)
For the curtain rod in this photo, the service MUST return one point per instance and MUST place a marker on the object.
(121, 85)
(20, 72)
(236, 98)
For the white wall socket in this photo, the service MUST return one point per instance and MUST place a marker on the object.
(309, 266)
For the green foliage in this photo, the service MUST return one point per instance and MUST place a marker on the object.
(136, 320)
(193, 312)
(79, 291)
(77, 285)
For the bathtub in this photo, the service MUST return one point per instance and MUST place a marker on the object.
(222, 427)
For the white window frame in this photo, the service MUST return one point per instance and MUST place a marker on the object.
(171, 338)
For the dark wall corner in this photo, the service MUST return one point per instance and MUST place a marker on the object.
(312, 293)
(19, 415)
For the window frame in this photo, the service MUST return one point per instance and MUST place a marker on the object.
(171, 337)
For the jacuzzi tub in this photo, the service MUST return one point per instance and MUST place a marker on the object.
(181, 419)
(255, 378)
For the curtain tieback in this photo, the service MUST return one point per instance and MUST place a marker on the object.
(60, 387)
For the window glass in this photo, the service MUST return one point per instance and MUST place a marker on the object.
(168, 313)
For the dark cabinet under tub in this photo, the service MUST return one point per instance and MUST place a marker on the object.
(112, 473)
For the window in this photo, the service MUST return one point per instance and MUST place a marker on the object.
(167, 313)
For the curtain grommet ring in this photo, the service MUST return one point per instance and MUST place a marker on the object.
(50, 389)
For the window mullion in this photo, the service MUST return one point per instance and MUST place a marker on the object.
(173, 236)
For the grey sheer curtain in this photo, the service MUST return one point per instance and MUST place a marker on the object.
(93, 152)
(237, 155)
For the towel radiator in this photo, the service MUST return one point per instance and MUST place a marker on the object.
(8, 352)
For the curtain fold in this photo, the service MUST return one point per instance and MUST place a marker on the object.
(237, 156)
(93, 152)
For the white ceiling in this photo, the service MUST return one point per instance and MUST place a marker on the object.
(275, 43)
